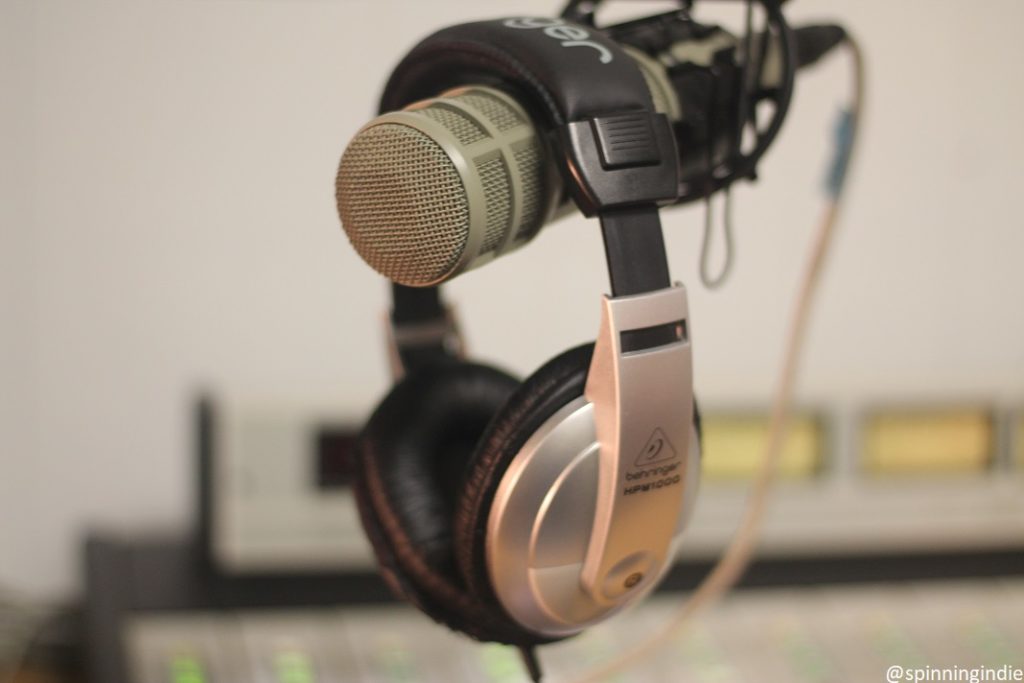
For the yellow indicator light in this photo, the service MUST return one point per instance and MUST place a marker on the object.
(735, 444)
(933, 442)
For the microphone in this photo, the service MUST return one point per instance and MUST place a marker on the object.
(451, 183)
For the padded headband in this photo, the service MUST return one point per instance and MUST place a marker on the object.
(552, 62)
(582, 88)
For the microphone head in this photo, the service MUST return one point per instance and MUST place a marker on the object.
(445, 185)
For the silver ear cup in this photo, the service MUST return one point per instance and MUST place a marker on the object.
(540, 523)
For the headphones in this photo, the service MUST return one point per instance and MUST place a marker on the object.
(525, 512)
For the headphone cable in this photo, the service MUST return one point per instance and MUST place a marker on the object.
(737, 556)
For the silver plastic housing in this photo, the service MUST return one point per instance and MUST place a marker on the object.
(541, 521)
(589, 515)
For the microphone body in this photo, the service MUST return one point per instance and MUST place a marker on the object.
(450, 183)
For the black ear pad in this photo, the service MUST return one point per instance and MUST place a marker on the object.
(409, 461)
(557, 383)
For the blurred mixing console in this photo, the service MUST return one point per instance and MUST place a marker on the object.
(819, 635)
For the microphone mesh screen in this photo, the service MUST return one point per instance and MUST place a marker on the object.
(461, 126)
(497, 198)
(405, 209)
(497, 112)
(529, 158)
(445, 185)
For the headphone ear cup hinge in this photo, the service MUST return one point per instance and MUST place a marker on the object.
(409, 343)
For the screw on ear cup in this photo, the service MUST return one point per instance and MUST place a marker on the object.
(557, 383)
(409, 461)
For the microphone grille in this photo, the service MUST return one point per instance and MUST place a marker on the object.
(444, 185)
(404, 199)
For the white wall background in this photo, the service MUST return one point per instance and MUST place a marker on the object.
(167, 222)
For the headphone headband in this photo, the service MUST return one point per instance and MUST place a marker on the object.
(549, 61)
(616, 155)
